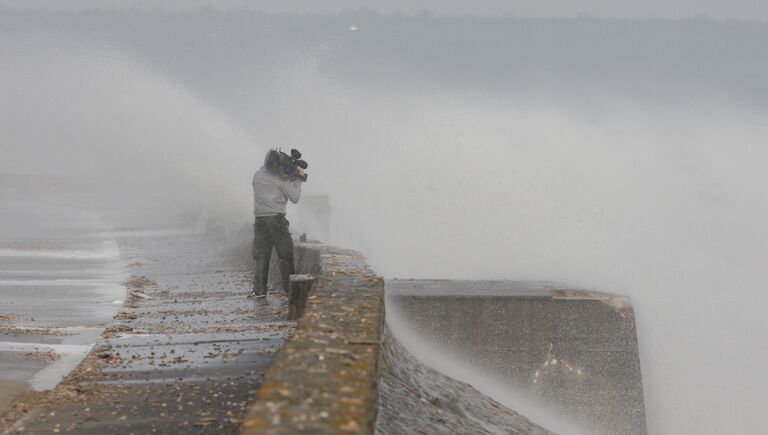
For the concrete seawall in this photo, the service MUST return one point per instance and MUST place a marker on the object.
(417, 399)
(574, 350)
(186, 342)
(325, 378)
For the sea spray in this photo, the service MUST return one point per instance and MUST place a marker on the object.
(76, 109)
(663, 202)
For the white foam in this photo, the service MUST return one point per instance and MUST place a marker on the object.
(55, 283)
(109, 251)
(61, 330)
(59, 274)
(78, 349)
(51, 375)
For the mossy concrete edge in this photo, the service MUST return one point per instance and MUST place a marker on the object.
(325, 379)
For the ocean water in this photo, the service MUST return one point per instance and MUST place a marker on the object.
(60, 284)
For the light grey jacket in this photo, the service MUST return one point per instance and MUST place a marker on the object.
(271, 193)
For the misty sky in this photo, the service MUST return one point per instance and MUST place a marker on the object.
(720, 9)
(621, 156)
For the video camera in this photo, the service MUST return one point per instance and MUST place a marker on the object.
(286, 166)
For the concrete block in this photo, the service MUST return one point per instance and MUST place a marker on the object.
(299, 288)
(576, 350)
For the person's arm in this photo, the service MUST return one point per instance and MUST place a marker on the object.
(292, 190)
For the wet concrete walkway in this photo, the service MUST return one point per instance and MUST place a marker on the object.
(185, 355)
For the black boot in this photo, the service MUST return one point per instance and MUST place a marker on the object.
(257, 293)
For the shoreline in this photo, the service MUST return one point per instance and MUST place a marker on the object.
(58, 288)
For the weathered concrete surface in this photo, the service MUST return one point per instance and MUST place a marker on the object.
(298, 293)
(576, 351)
(186, 354)
(11, 389)
(325, 378)
(417, 399)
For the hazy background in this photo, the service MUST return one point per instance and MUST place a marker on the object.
(621, 155)
(734, 9)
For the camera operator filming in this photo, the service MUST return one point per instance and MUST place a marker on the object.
(274, 184)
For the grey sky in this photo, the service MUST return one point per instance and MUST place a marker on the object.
(721, 9)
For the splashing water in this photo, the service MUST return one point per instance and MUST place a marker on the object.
(665, 202)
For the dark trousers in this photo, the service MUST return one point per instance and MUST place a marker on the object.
(269, 232)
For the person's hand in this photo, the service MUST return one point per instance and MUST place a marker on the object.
(301, 172)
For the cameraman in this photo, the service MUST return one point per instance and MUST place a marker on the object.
(272, 188)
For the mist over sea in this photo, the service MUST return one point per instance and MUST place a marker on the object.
(618, 155)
